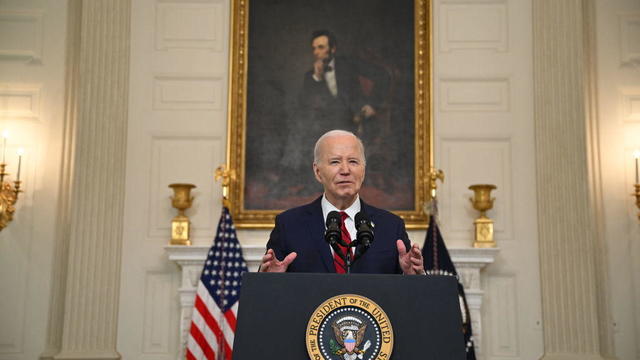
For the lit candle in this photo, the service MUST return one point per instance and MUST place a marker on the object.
(636, 154)
(5, 135)
(20, 153)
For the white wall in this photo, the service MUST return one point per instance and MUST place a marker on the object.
(483, 100)
(32, 43)
(618, 95)
(177, 131)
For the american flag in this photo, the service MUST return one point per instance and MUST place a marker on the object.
(213, 323)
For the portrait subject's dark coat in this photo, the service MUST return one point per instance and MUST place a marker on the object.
(359, 83)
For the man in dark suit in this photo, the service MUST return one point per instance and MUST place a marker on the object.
(298, 236)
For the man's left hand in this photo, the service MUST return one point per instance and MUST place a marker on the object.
(411, 261)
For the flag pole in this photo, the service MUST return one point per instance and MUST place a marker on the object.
(222, 173)
(218, 292)
(431, 209)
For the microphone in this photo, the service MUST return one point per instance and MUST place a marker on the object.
(364, 236)
(333, 234)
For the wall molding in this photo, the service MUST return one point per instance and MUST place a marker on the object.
(20, 101)
(205, 30)
(464, 24)
(28, 22)
(188, 92)
(629, 33)
(469, 94)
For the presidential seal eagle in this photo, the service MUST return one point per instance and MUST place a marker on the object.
(349, 332)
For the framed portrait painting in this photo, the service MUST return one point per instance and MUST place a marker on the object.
(299, 69)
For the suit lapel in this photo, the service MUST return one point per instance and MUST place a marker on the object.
(315, 224)
(371, 211)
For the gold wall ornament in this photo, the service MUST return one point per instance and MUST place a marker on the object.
(8, 192)
(482, 201)
(180, 225)
(434, 176)
(226, 175)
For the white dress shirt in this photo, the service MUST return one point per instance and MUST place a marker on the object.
(330, 79)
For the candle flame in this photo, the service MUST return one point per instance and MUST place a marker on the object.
(636, 153)
(20, 151)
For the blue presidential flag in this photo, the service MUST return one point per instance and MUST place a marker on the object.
(437, 261)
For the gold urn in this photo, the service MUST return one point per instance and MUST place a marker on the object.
(181, 200)
(482, 201)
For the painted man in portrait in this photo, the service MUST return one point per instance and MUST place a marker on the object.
(338, 92)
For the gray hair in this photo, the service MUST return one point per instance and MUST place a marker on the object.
(332, 133)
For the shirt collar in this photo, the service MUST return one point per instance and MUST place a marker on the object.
(332, 64)
(328, 207)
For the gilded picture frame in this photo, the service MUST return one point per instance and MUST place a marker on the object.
(266, 47)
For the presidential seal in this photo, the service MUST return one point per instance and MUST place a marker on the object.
(349, 327)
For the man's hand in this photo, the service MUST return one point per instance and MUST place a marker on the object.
(270, 262)
(318, 70)
(367, 111)
(411, 262)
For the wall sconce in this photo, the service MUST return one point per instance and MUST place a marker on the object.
(636, 155)
(8, 192)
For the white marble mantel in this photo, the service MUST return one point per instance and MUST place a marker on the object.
(468, 261)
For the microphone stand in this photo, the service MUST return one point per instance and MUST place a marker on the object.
(348, 262)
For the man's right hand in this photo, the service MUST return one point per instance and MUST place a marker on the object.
(270, 262)
(318, 70)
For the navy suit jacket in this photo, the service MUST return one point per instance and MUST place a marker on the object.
(301, 230)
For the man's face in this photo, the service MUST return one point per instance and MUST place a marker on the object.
(340, 168)
(321, 50)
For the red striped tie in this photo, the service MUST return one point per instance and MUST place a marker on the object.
(346, 238)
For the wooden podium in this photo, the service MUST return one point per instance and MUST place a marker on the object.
(275, 310)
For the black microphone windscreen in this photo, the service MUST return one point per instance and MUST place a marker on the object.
(361, 218)
(334, 218)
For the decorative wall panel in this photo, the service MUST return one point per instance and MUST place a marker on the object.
(188, 92)
(183, 25)
(169, 165)
(476, 161)
(19, 101)
(22, 35)
(630, 100)
(502, 315)
(158, 310)
(473, 25)
(13, 302)
(491, 95)
(630, 38)
(15, 257)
